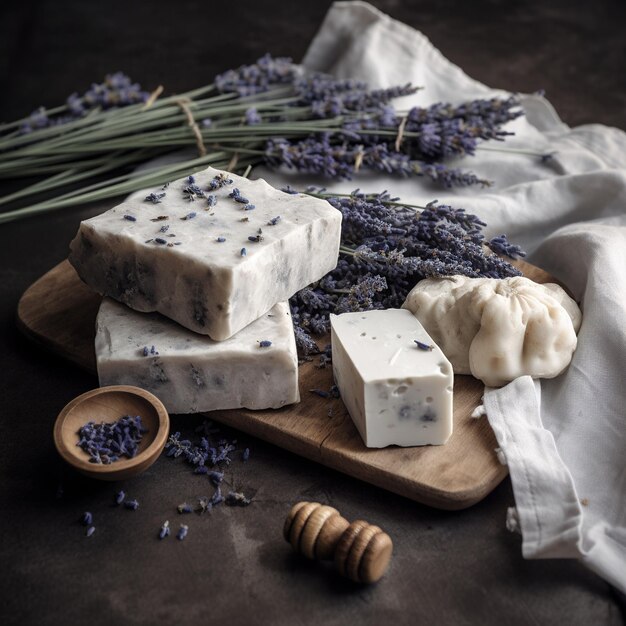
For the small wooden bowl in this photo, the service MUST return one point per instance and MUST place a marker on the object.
(108, 404)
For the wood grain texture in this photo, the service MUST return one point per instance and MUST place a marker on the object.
(59, 312)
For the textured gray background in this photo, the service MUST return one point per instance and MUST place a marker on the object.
(449, 568)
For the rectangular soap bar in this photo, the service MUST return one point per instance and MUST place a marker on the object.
(211, 262)
(396, 391)
(256, 369)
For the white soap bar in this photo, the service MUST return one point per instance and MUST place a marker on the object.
(191, 373)
(395, 391)
(212, 268)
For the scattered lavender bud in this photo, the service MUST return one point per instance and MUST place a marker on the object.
(320, 392)
(334, 392)
(155, 198)
(182, 532)
(130, 218)
(235, 498)
(246, 455)
(160, 241)
(235, 194)
(153, 350)
(204, 505)
(423, 346)
(274, 220)
(145, 351)
(165, 530)
(217, 497)
(132, 505)
(221, 239)
(189, 216)
(211, 200)
(265, 343)
(90, 531)
(201, 469)
(119, 497)
(86, 518)
(160, 218)
(164, 229)
(185, 508)
(255, 238)
(191, 179)
(216, 477)
(243, 252)
(249, 207)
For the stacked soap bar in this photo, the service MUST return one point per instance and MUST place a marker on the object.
(189, 373)
(212, 251)
(395, 382)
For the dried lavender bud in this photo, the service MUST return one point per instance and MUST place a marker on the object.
(153, 350)
(320, 392)
(189, 216)
(265, 343)
(255, 238)
(249, 207)
(235, 194)
(201, 469)
(243, 252)
(145, 351)
(160, 218)
(130, 218)
(165, 530)
(246, 455)
(132, 505)
(184, 508)
(219, 181)
(160, 241)
(119, 497)
(423, 346)
(204, 505)
(274, 220)
(211, 200)
(182, 532)
(217, 497)
(90, 531)
(155, 198)
(235, 498)
(221, 239)
(216, 477)
(86, 518)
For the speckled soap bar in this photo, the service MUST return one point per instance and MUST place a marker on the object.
(395, 382)
(213, 251)
(256, 369)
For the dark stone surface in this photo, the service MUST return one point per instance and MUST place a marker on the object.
(449, 568)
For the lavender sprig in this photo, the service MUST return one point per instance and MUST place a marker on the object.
(386, 248)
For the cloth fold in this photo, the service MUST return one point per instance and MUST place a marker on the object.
(564, 439)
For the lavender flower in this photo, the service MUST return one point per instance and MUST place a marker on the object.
(501, 245)
(182, 532)
(90, 531)
(252, 117)
(258, 77)
(119, 497)
(155, 198)
(86, 518)
(131, 505)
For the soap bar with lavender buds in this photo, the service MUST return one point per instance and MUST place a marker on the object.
(191, 373)
(213, 266)
(395, 382)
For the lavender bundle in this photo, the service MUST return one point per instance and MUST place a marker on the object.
(269, 112)
(386, 248)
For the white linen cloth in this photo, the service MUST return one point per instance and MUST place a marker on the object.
(564, 439)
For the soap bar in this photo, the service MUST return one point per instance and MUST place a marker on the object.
(256, 369)
(395, 382)
(213, 251)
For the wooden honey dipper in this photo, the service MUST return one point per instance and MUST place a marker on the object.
(360, 551)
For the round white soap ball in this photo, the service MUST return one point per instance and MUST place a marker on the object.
(498, 329)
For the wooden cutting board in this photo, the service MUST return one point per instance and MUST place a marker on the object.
(59, 312)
